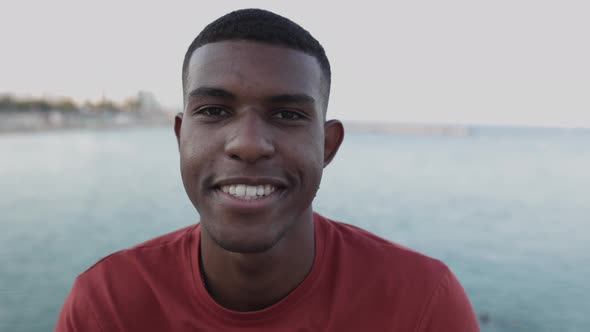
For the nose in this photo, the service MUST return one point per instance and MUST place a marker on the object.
(251, 140)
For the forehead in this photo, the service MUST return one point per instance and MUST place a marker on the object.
(253, 68)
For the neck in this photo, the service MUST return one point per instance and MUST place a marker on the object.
(254, 281)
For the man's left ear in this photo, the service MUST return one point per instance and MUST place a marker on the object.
(177, 127)
(333, 136)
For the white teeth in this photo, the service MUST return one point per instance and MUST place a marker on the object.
(240, 190)
(268, 189)
(248, 192)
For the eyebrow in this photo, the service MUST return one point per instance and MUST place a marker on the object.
(298, 98)
(211, 92)
(295, 98)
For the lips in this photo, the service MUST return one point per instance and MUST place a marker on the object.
(254, 192)
(248, 192)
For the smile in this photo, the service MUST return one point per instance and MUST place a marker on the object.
(248, 192)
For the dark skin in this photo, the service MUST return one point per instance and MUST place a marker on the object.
(254, 115)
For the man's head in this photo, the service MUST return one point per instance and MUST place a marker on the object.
(264, 27)
(253, 138)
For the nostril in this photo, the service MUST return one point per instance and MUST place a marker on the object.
(234, 156)
(250, 144)
(249, 150)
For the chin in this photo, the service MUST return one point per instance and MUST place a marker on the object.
(245, 239)
(245, 247)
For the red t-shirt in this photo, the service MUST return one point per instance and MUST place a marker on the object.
(358, 282)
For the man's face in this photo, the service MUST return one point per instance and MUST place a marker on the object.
(253, 141)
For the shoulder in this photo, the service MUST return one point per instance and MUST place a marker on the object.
(411, 289)
(136, 277)
(369, 249)
(128, 273)
(130, 281)
(155, 246)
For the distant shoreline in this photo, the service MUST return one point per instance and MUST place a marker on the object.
(56, 120)
(40, 121)
(409, 129)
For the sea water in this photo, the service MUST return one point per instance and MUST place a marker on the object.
(507, 209)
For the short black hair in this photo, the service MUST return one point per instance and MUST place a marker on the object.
(265, 27)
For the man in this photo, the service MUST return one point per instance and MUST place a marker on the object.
(253, 142)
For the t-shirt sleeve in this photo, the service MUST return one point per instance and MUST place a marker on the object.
(449, 308)
(76, 313)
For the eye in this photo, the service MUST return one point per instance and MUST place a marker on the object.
(287, 115)
(213, 111)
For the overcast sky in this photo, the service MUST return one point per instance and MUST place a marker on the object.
(492, 62)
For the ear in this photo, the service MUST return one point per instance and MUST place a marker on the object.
(333, 136)
(177, 125)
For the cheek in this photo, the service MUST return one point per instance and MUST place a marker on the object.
(310, 156)
(196, 152)
(314, 148)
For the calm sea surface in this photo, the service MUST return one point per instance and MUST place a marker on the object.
(507, 209)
